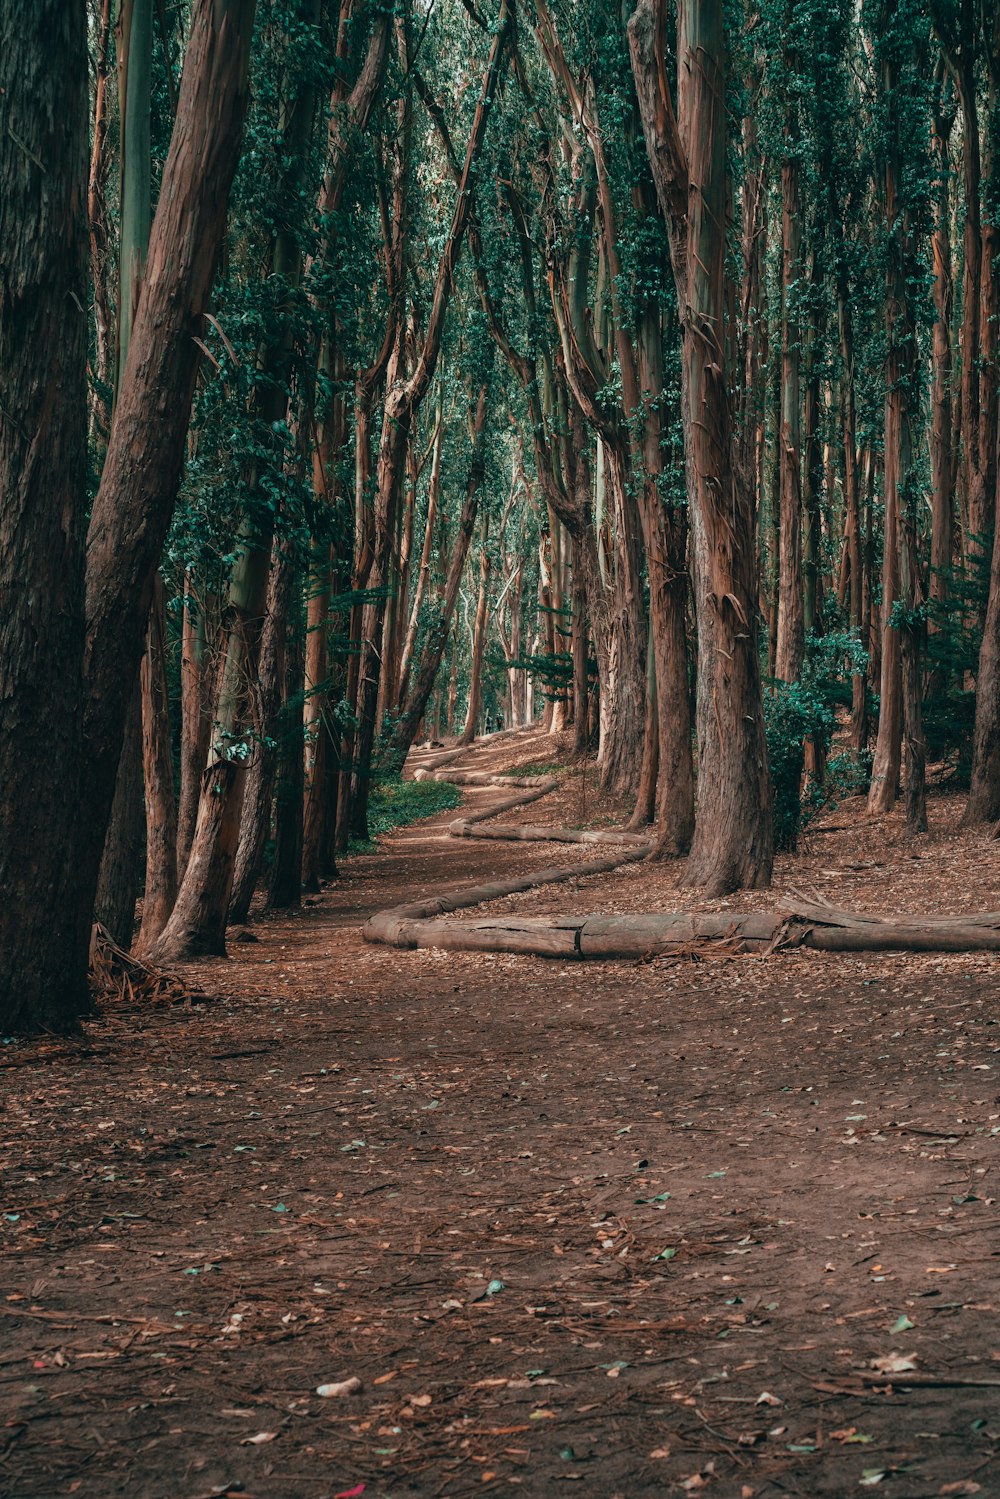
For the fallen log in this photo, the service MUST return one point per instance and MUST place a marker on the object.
(392, 926)
(650, 935)
(800, 922)
(589, 936)
(526, 833)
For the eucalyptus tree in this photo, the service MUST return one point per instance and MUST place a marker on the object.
(687, 147)
(97, 603)
(900, 32)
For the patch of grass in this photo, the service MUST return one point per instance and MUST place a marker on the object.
(395, 804)
(554, 769)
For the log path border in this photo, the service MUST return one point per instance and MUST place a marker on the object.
(800, 922)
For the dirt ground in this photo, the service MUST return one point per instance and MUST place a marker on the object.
(722, 1226)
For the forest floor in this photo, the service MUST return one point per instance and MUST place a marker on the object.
(720, 1226)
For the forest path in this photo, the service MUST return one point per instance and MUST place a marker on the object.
(645, 1228)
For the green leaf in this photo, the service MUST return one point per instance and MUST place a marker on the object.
(901, 1324)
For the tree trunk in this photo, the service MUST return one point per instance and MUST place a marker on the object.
(942, 462)
(195, 722)
(424, 571)
(101, 233)
(120, 877)
(247, 601)
(581, 704)
(318, 824)
(158, 774)
(644, 811)
(733, 842)
(261, 771)
(665, 532)
(478, 641)
(789, 648)
(415, 703)
(136, 495)
(44, 917)
(286, 872)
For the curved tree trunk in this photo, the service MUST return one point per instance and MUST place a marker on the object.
(139, 484)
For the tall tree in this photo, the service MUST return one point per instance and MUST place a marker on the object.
(733, 841)
(44, 933)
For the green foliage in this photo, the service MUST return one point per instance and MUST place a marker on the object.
(396, 804)
(537, 768)
(952, 646)
(848, 773)
(797, 711)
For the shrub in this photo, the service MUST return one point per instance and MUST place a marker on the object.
(797, 711)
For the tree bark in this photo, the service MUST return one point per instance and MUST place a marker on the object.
(286, 872)
(733, 841)
(478, 640)
(415, 704)
(243, 616)
(942, 459)
(790, 643)
(44, 920)
(258, 791)
(195, 721)
(139, 484)
(158, 774)
(120, 878)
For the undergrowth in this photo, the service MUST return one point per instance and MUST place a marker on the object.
(556, 768)
(395, 804)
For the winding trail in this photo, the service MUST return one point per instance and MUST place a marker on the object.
(797, 923)
(568, 1225)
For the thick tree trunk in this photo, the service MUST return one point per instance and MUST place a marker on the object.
(248, 592)
(665, 532)
(733, 843)
(625, 717)
(101, 232)
(44, 917)
(135, 499)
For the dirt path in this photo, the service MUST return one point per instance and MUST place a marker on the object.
(641, 1229)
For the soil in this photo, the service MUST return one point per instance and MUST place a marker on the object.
(719, 1225)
